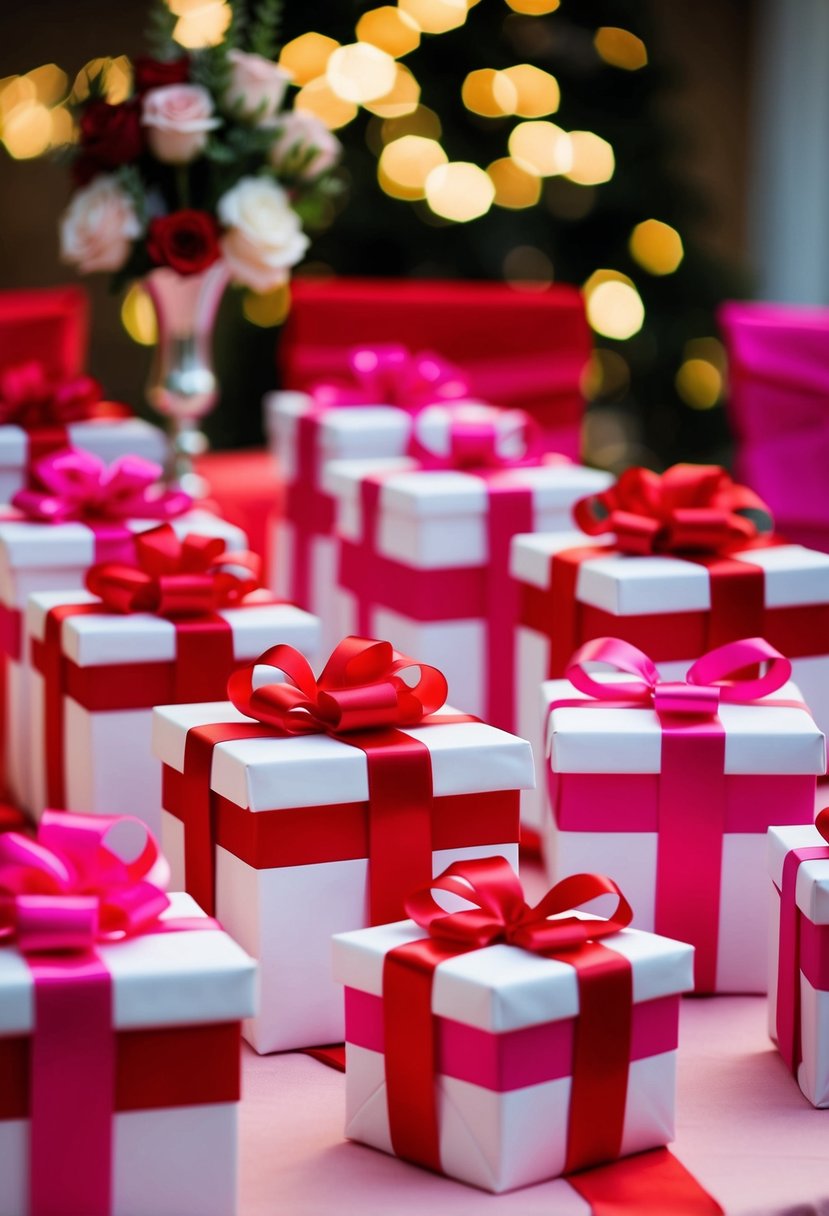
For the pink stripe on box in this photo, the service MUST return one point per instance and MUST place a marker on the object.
(628, 802)
(516, 1058)
(814, 953)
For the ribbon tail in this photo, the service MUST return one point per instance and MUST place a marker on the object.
(649, 1184)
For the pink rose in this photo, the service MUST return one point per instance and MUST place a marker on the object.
(178, 118)
(304, 146)
(257, 86)
(98, 226)
(263, 237)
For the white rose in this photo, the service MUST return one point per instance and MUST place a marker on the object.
(257, 86)
(264, 236)
(178, 118)
(97, 227)
(303, 144)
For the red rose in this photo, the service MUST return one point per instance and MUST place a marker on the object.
(153, 74)
(186, 241)
(111, 135)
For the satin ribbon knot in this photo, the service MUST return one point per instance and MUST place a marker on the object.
(66, 890)
(79, 486)
(477, 437)
(688, 508)
(712, 679)
(362, 687)
(30, 399)
(391, 374)
(176, 577)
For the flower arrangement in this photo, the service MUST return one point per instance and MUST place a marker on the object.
(203, 161)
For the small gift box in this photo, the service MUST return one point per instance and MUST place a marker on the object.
(424, 545)
(41, 414)
(799, 953)
(675, 785)
(689, 564)
(169, 630)
(502, 1044)
(120, 1011)
(90, 514)
(322, 806)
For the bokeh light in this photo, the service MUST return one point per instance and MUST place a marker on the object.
(514, 187)
(435, 16)
(699, 384)
(360, 72)
(114, 74)
(202, 25)
(620, 48)
(421, 121)
(269, 309)
(606, 376)
(593, 161)
(536, 91)
(528, 268)
(27, 130)
(657, 247)
(317, 98)
(534, 8)
(541, 148)
(614, 306)
(402, 98)
(489, 93)
(138, 316)
(306, 57)
(406, 163)
(459, 191)
(389, 28)
(50, 82)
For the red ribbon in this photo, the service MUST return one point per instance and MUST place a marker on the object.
(601, 1053)
(79, 486)
(691, 821)
(788, 966)
(362, 699)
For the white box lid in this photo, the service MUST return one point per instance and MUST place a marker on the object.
(759, 738)
(316, 770)
(105, 438)
(812, 883)
(502, 988)
(358, 430)
(192, 977)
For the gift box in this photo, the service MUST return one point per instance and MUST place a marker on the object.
(295, 836)
(501, 1047)
(424, 558)
(55, 556)
(778, 376)
(48, 325)
(120, 1054)
(675, 784)
(99, 665)
(798, 861)
(676, 603)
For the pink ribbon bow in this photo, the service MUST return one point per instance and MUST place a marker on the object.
(480, 437)
(66, 891)
(390, 374)
(79, 486)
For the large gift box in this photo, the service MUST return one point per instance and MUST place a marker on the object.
(307, 808)
(798, 862)
(501, 1047)
(424, 552)
(103, 510)
(674, 785)
(48, 325)
(170, 630)
(120, 1012)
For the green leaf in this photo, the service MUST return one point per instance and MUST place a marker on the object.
(159, 33)
(266, 27)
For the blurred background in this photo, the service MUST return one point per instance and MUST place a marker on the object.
(661, 157)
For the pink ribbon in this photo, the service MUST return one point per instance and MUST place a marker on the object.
(79, 486)
(691, 794)
(390, 374)
(480, 438)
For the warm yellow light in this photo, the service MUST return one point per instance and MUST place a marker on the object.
(435, 16)
(393, 30)
(51, 83)
(203, 26)
(14, 90)
(138, 316)
(528, 268)
(360, 72)
(118, 80)
(615, 309)
(699, 384)
(541, 148)
(269, 309)
(489, 93)
(710, 349)
(604, 275)
(620, 48)
(406, 163)
(606, 375)
(421, 121)
(536, 92)
(657, 247)
(459, 191)
(593, 159)
(316, 97)
(63, 128)
(514, 186)
(27, 130)
(401, 99)
(306, 57)
(534, 8)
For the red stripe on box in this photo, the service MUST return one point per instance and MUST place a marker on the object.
(814, 953)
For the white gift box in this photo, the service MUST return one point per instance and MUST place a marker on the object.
(432, 576)
(291, 848)
(504, 1020)
(805, 977)
(177, 995)
(54, 557)
(663, 606)
(107, 439)
(603, 784)
(109, 767)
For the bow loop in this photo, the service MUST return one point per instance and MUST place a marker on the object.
(30, 399)
(688, 508)
(471, 435)
(390, 374)
(79, 486)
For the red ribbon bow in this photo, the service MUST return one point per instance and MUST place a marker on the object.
(175, 576)
(66, 890)
(79, 486)
(688, 508)
(361, 688)
(390, 374)
(30, 399)
(479, 437)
